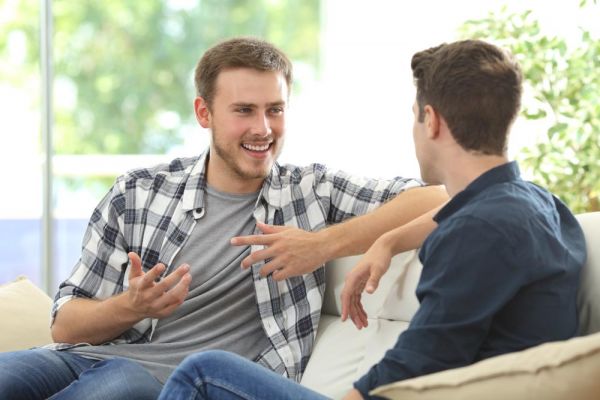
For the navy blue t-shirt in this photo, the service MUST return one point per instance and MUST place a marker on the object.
(500, 274)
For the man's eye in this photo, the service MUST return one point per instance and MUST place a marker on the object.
(244, 110)
(276, 110)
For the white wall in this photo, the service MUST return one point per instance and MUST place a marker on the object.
(358, 115)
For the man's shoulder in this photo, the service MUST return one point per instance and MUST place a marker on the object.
(512, 202)
(511, 211)
(176, 169)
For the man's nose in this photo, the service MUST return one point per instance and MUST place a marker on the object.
(261, 125)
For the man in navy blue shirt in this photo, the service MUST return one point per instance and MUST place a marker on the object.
(500, 270)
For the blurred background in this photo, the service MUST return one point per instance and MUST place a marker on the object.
(90, 89)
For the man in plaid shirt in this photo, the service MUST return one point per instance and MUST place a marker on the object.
(159, 276)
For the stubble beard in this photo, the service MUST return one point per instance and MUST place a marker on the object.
(233, 164)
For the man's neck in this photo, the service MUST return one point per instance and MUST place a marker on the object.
(461, 172)
(227, 181)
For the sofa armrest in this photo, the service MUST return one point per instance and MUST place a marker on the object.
(551, 371)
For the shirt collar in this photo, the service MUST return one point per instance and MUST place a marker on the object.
(195, 187)
(503, 173)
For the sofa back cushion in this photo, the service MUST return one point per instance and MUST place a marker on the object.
(589, 293)
(395, 297)
(342, 353)
(25, 315)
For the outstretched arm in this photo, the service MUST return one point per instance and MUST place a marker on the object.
(293, 251)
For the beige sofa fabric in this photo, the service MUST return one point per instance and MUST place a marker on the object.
(552, 371)
(589, 292)
(25, 315)
(342, 354)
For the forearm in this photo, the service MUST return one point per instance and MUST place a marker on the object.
(409, 214)
(93, 321)
(410, 235)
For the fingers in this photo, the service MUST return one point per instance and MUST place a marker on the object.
(257, 256)
(373, 281)
(281, 274)
(352, 307)
(173, 278)
(357, 312)
(172, 298)
(265, 239)
(345, 305)
(136, 265)
(251, 240)
(268, 268)
(265, 228)
(148, 280)
(356, 281)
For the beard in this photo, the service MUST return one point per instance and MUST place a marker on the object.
(233, 157)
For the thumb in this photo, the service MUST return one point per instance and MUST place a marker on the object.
(373, 281)
(136, 265)
(266, 228)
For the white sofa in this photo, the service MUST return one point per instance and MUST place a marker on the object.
(342, 354)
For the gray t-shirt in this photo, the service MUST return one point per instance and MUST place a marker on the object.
(220, 311)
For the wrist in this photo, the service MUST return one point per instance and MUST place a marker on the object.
(329, 244)
(124, 311)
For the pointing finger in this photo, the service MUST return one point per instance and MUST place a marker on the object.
(250, 240)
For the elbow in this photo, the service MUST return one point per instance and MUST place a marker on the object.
(59, 332)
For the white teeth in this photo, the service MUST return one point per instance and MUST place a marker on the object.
(252, 147)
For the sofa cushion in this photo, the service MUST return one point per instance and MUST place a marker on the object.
(25, 315)
(395, 297)
(342, 353)
(551, 371)
(589, 295)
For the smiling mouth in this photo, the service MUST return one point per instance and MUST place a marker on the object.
(259, 148)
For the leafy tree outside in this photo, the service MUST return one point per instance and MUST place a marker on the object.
(565, 83)
(124, 69)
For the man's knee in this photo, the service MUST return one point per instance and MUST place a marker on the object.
(211, 359)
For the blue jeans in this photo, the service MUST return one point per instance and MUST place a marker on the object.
(217, 374)
(42, 374)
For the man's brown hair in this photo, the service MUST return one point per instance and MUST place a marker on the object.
(475, 86)
(241, 52)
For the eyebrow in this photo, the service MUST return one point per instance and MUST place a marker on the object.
(253, 105)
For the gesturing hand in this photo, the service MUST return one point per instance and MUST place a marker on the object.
(364, 276)
(292, 251)
(150, 299)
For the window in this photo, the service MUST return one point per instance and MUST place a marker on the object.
(123, 91)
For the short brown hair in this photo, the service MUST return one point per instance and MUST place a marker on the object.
(475, 86)
(240, 52)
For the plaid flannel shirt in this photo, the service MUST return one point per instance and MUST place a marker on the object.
(153, 211)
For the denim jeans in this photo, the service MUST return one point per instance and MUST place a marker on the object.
(217, 374)
(41, 374)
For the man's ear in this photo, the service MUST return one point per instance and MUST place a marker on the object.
(202, 112)
(432, 122)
